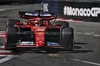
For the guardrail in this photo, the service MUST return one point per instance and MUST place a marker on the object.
(2, 2)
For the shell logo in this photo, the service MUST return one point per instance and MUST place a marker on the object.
(40, 33)
(40, 30)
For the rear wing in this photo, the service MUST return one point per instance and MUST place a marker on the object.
(42, 15)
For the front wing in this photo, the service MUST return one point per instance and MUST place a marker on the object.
(32, 44)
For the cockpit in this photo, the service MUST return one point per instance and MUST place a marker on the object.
(37, 18)
(39, 22)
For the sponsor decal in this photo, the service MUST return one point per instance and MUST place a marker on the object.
(52, 44)
(40, 30)
(30, 43)
(27, 43)
(87, 12)
(31, 14)
(45, 14)
(40, 33)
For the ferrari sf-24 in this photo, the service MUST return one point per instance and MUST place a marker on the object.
(41, 30)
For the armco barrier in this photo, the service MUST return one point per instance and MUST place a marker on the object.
(3, 2)
(85, 11)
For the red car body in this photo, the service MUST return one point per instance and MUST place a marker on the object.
(41, 31)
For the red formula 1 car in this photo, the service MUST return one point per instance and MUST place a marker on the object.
(40, 31)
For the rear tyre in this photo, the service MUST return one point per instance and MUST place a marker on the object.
(64, 23)
(67, 38)
(12, 36)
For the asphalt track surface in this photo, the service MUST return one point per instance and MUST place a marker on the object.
(87, 44)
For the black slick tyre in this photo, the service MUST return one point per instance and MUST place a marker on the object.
(67, 37)
(12, 36)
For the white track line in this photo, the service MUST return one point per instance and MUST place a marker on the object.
(3, 55)
(88, 62)
(78, 32)
(96, 35)
(9, 57)
(2, 46)
(88, 33)
(5, 51)
(2, 31)
(2, 9)
(6, 9)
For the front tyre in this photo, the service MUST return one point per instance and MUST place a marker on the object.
(12, 35)
(67, 38)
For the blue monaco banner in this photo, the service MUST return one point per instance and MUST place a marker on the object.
(86, 11)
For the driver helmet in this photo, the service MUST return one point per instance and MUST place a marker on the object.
(36, 23)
